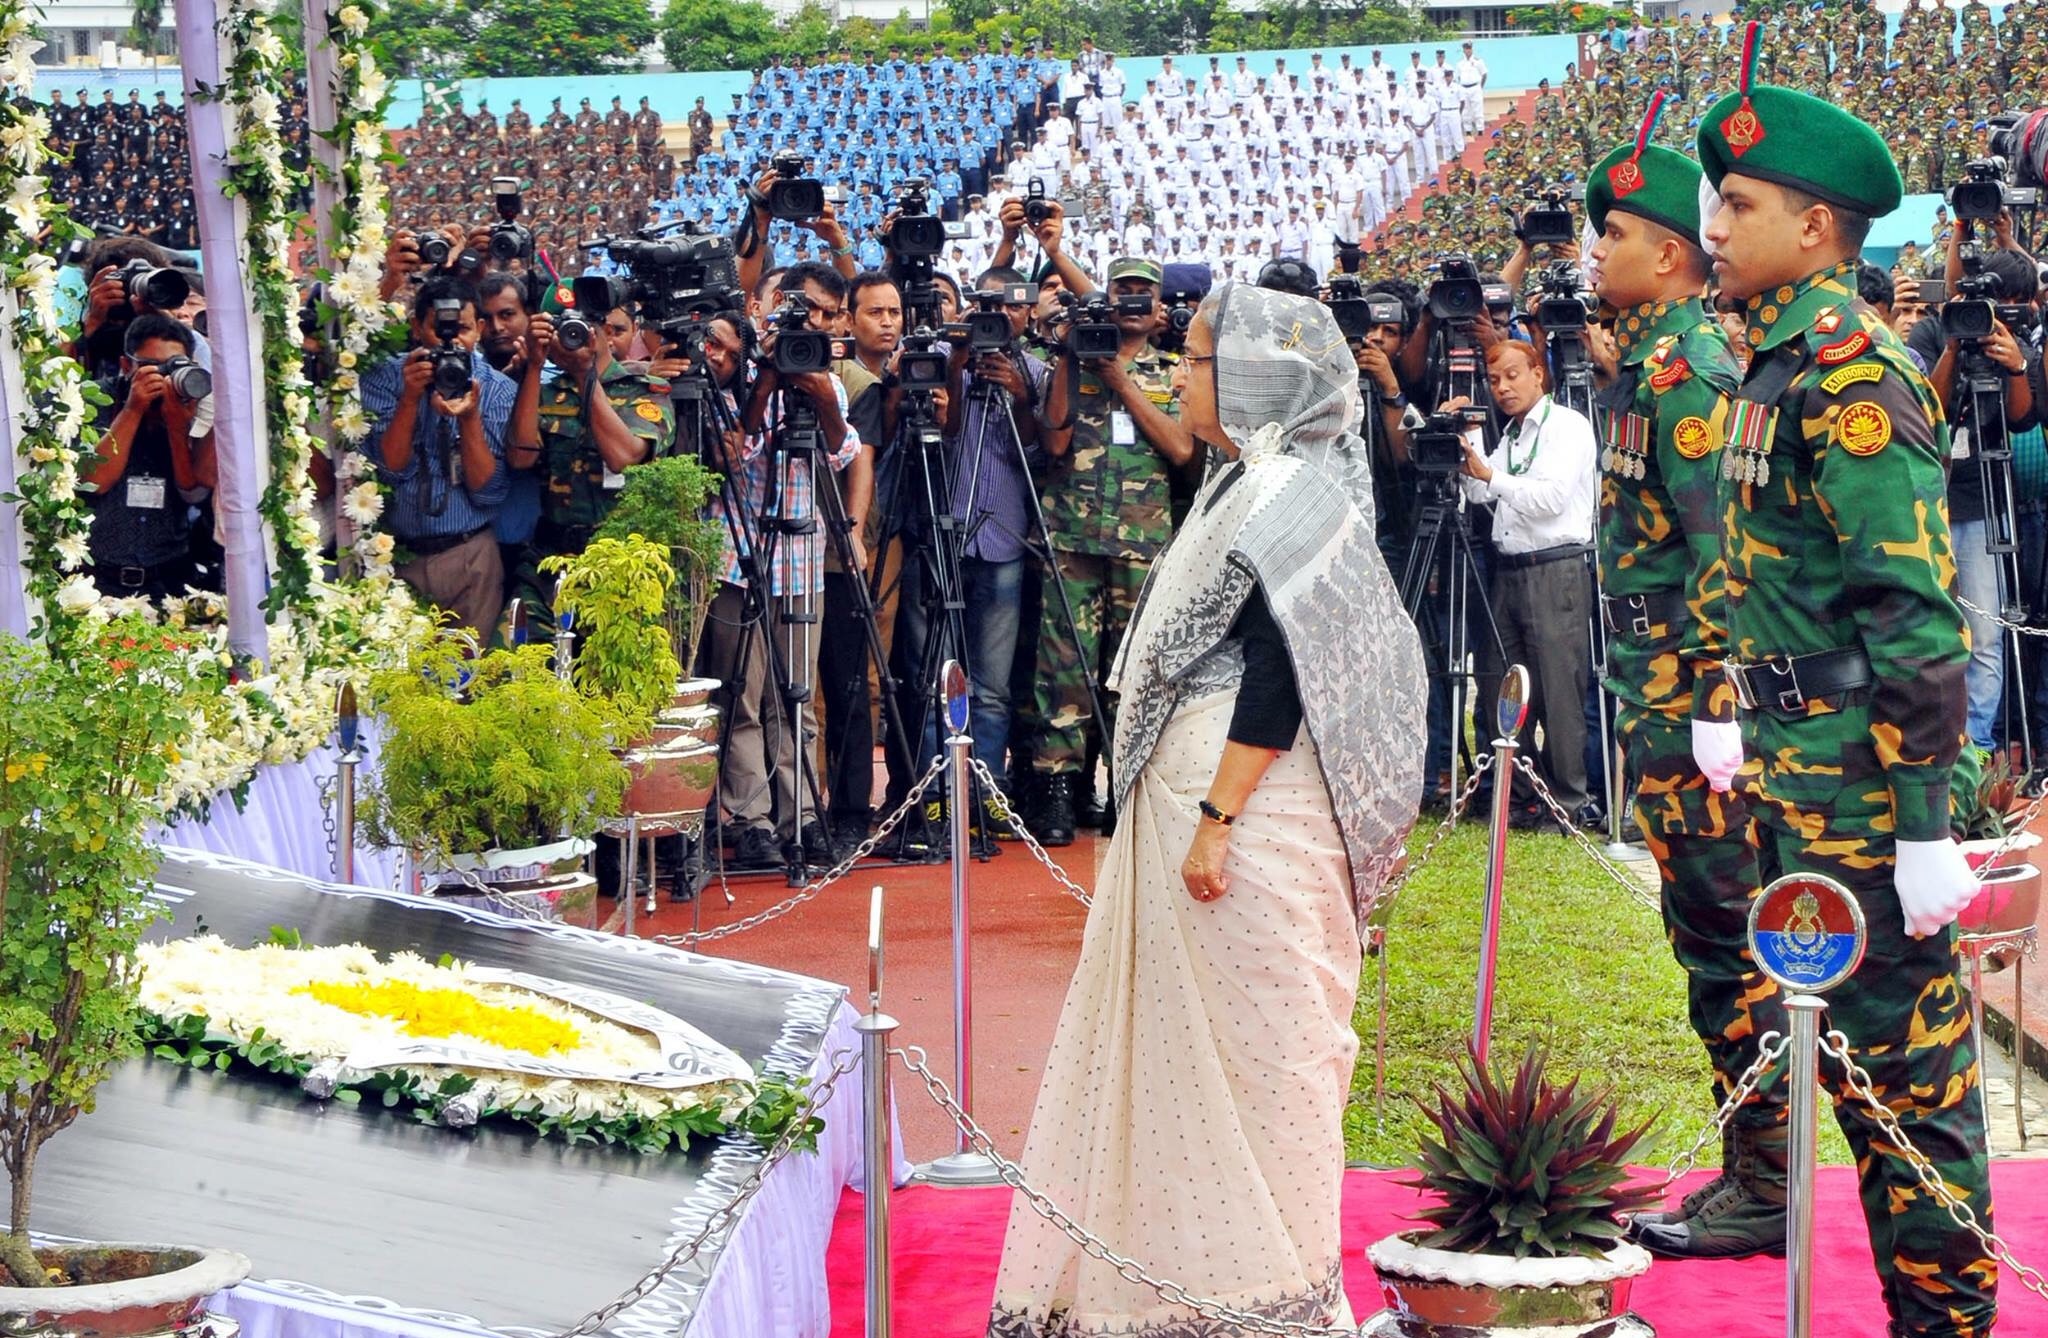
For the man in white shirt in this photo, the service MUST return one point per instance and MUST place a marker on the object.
(1089, 115)
(1322, 236)
(1472, 92)
(1420, 110)
(1171, 83)
(1450, 132)
(1073, 84)
(1293, 234)
(1542, 482)
(1110, 80)
(1396, 141)
(1244, 83)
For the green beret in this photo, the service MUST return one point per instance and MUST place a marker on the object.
(1659, 184)
(1793, 139)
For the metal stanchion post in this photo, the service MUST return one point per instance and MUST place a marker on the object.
(1807, 934)
(964, 1166)
(875, 1028)
(1376, 945)
(629, 870)
(347, 725)
(1510, 712)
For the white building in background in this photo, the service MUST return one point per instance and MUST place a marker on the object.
(97, 34)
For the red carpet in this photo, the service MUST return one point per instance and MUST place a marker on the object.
(945, 1245)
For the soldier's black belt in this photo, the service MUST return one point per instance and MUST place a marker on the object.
(1785, 685)
(1635, 615)
(1517, 561)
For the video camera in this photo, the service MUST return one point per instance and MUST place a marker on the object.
(595, 296)
(679, 281)
(794, 196)
(1565, 303)
(1437, 448)
(921, 366)
(915, 231)
(1358, 312)
(2021, 139)
(1456, 295)
(451, 364)
(1092, 329)
(1986, 192)
(987, 328)
(799, 349)
(1549, 223)
(160, 289)
(509, 240)
(1974, 312)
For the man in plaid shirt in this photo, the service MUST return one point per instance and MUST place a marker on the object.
(773, 819)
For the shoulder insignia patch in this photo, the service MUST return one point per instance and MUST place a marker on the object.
(1828, 322)
(1692, 437)
(1835, 382)
(648, 410)
(1677, 371)
(1864, 428)
(1855, 346)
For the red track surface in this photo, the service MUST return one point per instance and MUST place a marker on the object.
(1027, 934)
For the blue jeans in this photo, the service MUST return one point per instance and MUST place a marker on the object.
(1979, 580)
(993, 594)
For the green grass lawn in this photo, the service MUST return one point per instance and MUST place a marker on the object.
(1584, 969)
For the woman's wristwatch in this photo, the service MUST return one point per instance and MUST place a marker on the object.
(1216, 815)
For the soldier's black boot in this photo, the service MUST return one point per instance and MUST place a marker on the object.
(1692, 1202)
(1741, 1214)
(1056, 810)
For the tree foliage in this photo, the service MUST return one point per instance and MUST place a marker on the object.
(516, 38)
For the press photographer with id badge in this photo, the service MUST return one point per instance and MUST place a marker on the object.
(155, 459)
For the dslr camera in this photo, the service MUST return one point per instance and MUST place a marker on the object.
(1550, 222)
(595, 295)
(159, 289)
(435, 249)
(192, 382)
(1180, 306)
(1037, 208)
(1357, 312)
(1456, 295)
(451, 364)
(509, 241)
(792, 195)
(798, 348)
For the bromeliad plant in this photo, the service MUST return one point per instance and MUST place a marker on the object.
(1526, 1167)
(91, 727)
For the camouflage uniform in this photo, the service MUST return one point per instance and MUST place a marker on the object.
(1662, 582)
(1837, 536)
(577, 491)
(1107, 510)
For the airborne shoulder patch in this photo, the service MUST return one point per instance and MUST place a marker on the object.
(1835, 382)
(1855, 346)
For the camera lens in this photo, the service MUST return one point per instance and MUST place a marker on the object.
(574, 334)
(434, 249)
(159, 289)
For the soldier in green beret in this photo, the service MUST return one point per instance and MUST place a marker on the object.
(1847, 657)
(1662, 602)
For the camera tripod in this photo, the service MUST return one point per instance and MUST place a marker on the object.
(1984, 417)
(1439, 578)
(1573, 367)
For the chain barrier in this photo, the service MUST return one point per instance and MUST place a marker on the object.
(812, 889)
(328, 787)
(1023, 833)
(1836, 1044)
(1571, 830)
(1771, 1047)
(1385, 901)
(2024, 629)
(723, 1217)
(1173, 1293)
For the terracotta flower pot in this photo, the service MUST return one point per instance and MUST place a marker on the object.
(127, 1291)
(1451, 1294)
(675, 769)
(2009, 901)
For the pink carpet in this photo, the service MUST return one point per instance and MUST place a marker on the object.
(946, 1243)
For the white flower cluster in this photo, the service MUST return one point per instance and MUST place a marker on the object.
(51, 430)
(361, 314)
(238, 990)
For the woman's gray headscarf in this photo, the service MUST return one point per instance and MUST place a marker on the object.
(1281, 361)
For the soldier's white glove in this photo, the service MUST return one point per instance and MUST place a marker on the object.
(1717, 751)
(1934, 883)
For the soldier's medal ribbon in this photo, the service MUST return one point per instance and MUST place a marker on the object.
(1746, 457)
(1863, 428)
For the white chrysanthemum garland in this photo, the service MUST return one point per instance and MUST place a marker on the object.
(54, 427)
(208, 1004)
(365, 326)
(256, 82)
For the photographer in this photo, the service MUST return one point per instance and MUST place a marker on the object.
(440, 446)
(598, 418)
(1114, 441)
(155, 457)
(774, 492)
(1541, 482)
(508, 346)
(1388, 418)
(991, 499)
(1979, 575)
(751, 243)
(131, 277)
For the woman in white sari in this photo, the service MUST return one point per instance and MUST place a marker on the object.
(1268, 747)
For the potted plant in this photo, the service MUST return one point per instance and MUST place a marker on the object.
(665, 501)
(1530, 1178)
(1984, 789)
(492, 768)
(91, 726)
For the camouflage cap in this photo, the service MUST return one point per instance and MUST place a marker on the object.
(1135, 267)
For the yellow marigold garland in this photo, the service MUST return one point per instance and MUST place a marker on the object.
(425, 1011)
